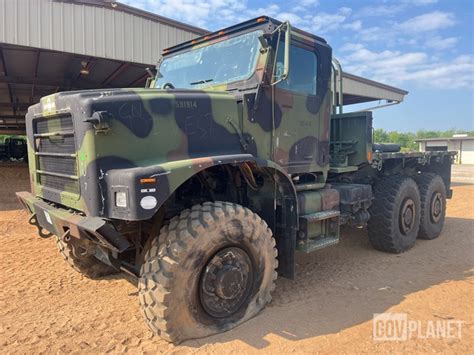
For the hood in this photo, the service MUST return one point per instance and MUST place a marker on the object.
(125, 128)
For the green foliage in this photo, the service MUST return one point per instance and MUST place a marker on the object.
(407, 140)
(3, 136)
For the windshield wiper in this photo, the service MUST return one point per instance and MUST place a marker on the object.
(201, 81)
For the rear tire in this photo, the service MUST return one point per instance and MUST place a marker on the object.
(395, 214)
(81, 259)
(433, 205)
(211, 269)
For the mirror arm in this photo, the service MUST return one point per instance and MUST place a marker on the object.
(287, 50)
(285, 26)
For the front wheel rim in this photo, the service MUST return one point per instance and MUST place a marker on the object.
(226, 282)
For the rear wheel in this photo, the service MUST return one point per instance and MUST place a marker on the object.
(212, 268)
(395, 214)
(79, 255)
(433, 205)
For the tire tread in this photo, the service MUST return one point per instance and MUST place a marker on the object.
(176, 237)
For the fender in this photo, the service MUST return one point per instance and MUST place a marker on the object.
(161, 180)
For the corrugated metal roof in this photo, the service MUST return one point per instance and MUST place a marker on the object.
(358, 90)
(44, 45)
(91, 27)
(115, 5)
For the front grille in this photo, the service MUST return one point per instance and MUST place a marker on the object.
(55, 151)
(64, 144)
(63, 165)
(58, 123)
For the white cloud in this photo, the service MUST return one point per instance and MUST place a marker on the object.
(214, 14)
(324, 22)
(196, 12)
(289, 16)
(439, 43)
(371, 34)
(354, 26)
(420, 2)
(269, 10)
(397, 68)
(305, 6)
(428, 22)
(447, 75)
(309, 2)
(320, 23)
(391, 10)
(415, 31)
(381, 10)
(347, 47)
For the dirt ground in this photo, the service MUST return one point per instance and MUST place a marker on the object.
(47, 307)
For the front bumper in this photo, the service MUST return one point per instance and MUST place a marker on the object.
(59, 221)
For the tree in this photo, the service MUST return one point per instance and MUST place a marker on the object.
(407, 140)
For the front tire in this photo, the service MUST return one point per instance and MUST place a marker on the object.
(433, 205)
(211, 268)
(395, 214)
(80, 257)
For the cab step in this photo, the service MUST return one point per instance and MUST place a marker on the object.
(319, 216)
(318, 230)
(320, 242)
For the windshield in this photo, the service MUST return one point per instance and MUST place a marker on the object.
(230, 60)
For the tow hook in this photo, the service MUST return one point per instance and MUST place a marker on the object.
(34, 222)
(66, 237)
(78, 248)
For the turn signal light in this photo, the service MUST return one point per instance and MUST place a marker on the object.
(147, 180)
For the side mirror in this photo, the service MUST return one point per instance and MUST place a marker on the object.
(264, 40)
(281, 72)
(150, 83)
(150, 80)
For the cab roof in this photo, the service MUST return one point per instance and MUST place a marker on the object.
(256, 22)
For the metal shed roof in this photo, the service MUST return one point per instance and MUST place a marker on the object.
(358, 90)
(45, 44)
(95, 28)
(31, 73)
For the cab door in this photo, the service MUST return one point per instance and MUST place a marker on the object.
(301, 141)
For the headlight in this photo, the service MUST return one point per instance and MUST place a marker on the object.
(121, 199)
(148, 202)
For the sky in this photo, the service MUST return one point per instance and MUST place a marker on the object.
(423, 46)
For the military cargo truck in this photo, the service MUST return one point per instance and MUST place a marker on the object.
(13, 148)
(208, 182)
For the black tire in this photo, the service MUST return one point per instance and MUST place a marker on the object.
(189, 256)
(395, 214)
(433, 205)
(81, 259)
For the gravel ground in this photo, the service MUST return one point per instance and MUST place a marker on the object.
(47, 307)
